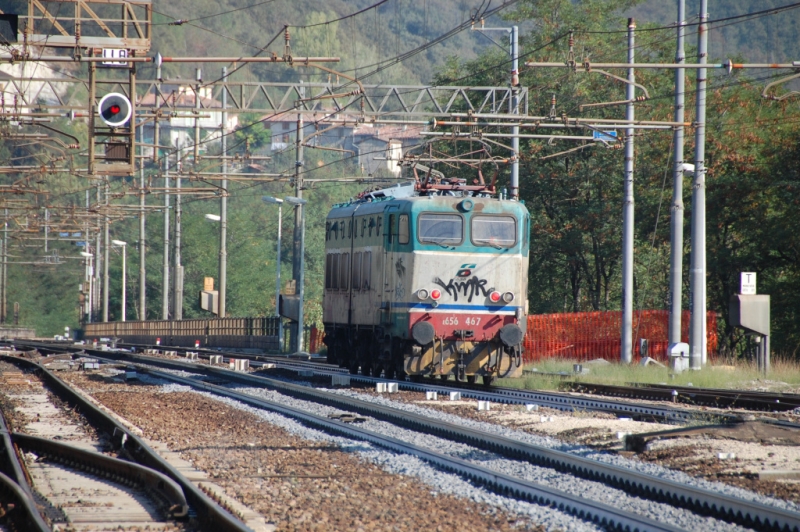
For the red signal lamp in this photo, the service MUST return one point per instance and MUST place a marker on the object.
(435, 295)
(494, 296)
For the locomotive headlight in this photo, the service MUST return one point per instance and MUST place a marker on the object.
(435, 295)
(508, 297)
(494, 296)
(422, 294)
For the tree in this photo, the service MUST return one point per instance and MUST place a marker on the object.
(252, 133)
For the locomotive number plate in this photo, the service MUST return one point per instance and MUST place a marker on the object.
(465, 320)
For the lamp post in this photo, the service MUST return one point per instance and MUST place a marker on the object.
(222, 271)
(89, 274)
(513, 38)
(299, 204)
(279, 203)
(124, 246)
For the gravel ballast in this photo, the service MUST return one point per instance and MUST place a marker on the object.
(578, 450)
(303, 479)
(447, 483)
(540, 475)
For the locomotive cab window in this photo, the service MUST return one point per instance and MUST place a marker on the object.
(366, 270)
(442, 229)
(390, 228)
(328, 260)
(357, 270)
(344, 271)
(495, 231)
(402, 231)
(335, 271)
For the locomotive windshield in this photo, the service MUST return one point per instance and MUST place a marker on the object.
(495, 231)
(441, 228)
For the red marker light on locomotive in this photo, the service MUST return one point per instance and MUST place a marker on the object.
(435, 294)
(495, 297)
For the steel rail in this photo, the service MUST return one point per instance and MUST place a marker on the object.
(722, 506)
(788, 397)
(555, 400)
(212, 517)
(28, 517)
(697, 396)
(14, 486)
(558, 401)
(161, 486)
(728, 65)
(506, 485)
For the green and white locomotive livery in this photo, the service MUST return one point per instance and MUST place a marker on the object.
(432, 284)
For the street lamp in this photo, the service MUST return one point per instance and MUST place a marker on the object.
(88, 275)
(222, 262)
(279, 203)
(124, 246)
(300, 204)
(513, 34)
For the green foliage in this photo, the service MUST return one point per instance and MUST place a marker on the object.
(361, 42)
(765, 39)
(575, 198)
(252, 132)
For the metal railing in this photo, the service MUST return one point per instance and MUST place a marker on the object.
(245, 333)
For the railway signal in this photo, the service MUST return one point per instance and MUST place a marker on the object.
(115, 109)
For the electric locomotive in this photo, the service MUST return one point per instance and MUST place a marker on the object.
(427, 281)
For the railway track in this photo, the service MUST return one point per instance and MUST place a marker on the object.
(556, 400)
(683, 395)
(19, 511)
(76, 487)
(721, 506)
(696, 499)
(712, 397)
(600, 513)
(62, 482)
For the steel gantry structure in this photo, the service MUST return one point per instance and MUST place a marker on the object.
(116, 35)
(448, 112)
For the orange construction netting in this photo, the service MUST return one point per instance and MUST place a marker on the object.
(590, 335)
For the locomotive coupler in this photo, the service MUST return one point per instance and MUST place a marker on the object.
(461, 368)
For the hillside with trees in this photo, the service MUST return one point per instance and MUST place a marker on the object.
(575, 199)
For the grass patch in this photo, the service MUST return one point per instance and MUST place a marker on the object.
(743, 375)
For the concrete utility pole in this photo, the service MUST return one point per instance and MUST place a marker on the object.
(142, 280)
(98, 262)
(676, 242)
(3, 307)
(278, 279)
(199, 79)
(297, 248)
(106, 248)
(165, 274)
(626, 355)
(514, 188)
(89, 273)
(177, 282)
(697, 330)
(223, 205)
